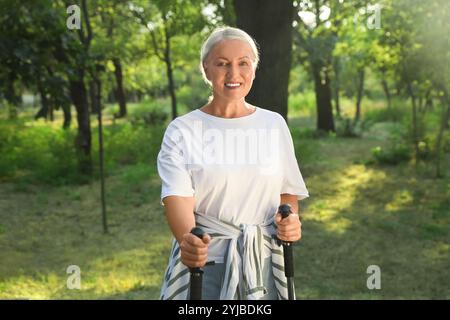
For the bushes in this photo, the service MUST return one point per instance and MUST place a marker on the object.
(303, 102)
(346, 127)
(193, 96)
(150, 113)
(398, 148)
(130, 144)
(45, 154)
(393, 155)
(41, 152)
(397, 113)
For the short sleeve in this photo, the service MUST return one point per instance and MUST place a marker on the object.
(293, 182)
(172, 168)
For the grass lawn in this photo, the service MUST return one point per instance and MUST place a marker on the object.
(357, 215)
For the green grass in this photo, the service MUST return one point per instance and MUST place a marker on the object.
(357, 215)
(45, 229)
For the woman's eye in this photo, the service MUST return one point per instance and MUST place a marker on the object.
(244, 63)
(221, 64)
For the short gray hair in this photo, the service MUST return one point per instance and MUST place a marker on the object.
(226, 33)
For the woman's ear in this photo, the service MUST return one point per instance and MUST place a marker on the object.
(206, 70)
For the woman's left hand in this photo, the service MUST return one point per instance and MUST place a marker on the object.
(289, 228)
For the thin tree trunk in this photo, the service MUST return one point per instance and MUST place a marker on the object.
(337, 85)
(12, 97)
(120, 92)
(93, 96)
(67, 115)
(428, 101)
(44, 110)
(323, 100)
(429, 104)
(385, 86)
(51, 111)
(98, 95)
(414, 122)
(444, 121)
(359, 94)
(170, 79)
(337, 102)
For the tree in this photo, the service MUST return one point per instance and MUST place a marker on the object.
(164, 20)
(116, 42)
(317, 24)
(435, 57)
(270, 24)
(354, 45)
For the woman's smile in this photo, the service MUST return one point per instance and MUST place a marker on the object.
(233, 85)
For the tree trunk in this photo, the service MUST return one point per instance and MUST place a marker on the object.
(428, 101)
(324, 108)
(120, 92)
(359, 94)
(337, 101)
(93, 96)
(414, 122)
(67, 115)
(83, 139)
(337, 85)
(386, 91)
(51, 110)
(12, 97)
(270, 24)
(43, 111)
(171, 81)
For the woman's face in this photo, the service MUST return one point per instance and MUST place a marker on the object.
(229, 67)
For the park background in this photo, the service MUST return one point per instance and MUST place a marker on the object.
(364, 87)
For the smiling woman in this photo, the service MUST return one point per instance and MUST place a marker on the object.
(228, 62)
(234, 201)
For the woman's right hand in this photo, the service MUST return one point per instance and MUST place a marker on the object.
(194, 251)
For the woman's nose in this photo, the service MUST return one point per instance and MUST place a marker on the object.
(233, 70)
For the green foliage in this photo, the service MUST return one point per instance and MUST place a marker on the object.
(40, 152)
(131, 144)
(398, 147)
(302, 103)
(393, 155)
(348, 128)
(193, 95)
(393, 114)
(150, 112)
(44, 154)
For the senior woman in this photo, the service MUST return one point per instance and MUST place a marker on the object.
(226, 167)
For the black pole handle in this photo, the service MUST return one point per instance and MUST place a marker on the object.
(285, 211)
(196, 273)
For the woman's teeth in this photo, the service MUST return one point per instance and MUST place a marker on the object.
(232, 85)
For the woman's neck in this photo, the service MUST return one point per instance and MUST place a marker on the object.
(228, 109)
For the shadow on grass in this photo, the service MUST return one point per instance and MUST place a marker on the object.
(360, 216)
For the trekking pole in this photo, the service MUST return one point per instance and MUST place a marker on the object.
(285, 210)
(196, 273)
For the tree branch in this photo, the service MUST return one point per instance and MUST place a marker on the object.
(88, 24)
(143, 22)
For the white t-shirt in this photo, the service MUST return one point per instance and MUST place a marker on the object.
(235, 168)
